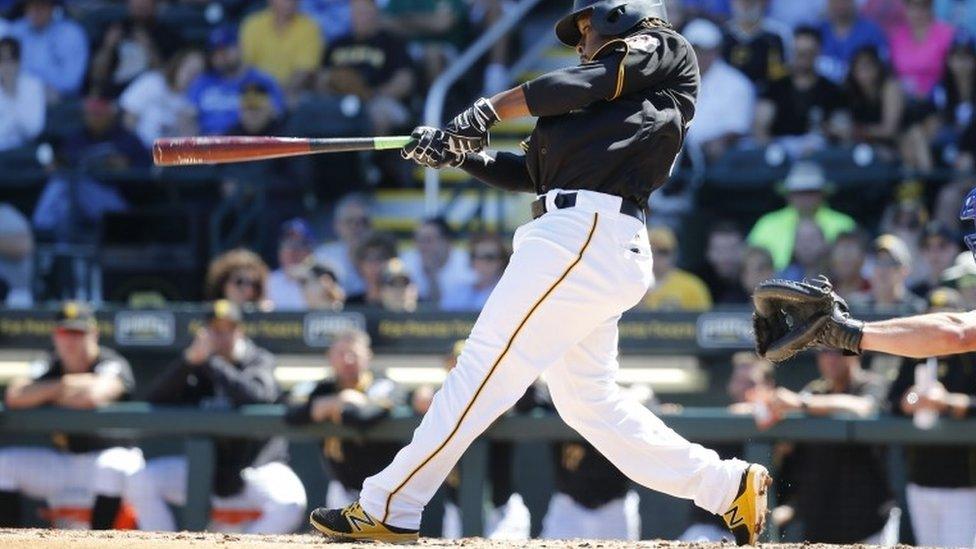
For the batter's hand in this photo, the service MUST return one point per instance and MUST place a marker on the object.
(468, 131)
(428, 147)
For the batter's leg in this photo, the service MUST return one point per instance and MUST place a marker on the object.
(587, 397)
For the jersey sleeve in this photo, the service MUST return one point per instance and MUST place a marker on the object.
(622, 66)
(118, 367)
(502, 170)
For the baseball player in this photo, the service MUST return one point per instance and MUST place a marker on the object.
(254, 491)
(608, 132)
(354, 396)
(82, 479)
(792, 316)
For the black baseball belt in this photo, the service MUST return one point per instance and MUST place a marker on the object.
(568, 200)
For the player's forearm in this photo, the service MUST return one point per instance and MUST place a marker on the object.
(922, 336)
(29, 395)
(822, 405)
(510, 104)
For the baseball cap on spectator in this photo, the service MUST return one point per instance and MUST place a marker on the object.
(805, 176)
(662, 240)
(703, 34)
(223, 309)
(75, 316)
(395, 274)
(894, 247)
(945, 299)
(255, 95)
(221, 37)
(296, 228)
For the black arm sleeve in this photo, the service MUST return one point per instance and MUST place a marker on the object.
(300, 413)
(253, 384)
(169, 386)
(622, 66)
(502, 170)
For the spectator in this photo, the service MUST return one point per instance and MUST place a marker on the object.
(104, 140)
(941, 491)
(961, 13)
(436, 29)
(889, 292)
(843, 34)
(810, 252)
(352, 224)
(16, 258)
(805, 187)
(216, 94)
(130, 47)
(370, 258)
(286, 284)
(82, 477)
(674, 288)
(239, 276)
(321, 287)
(715, 10)
(352, 395)
(749, 384)
(757, 266)
(436, 264)
(489, 257)
(938, 247)
(373, 65)
(21, 99)
(223, 369)
(847, 264)
(723, 256)
(333, 17)
(755, 45)
(792, 14)
(283, 43)
(919, 48)
(155, 104)
(856, 506)
(718, 127)
(875, 100)
(800, 111)
(906, 216)
(398, 293)
(887, 14)
(955, 98)
(257, 114)
(52, 49)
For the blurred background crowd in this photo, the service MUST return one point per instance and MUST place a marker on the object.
(831, 136)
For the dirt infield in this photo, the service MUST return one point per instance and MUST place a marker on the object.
(68, 539)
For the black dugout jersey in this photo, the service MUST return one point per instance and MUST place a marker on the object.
(613, 125)
(353, 460)
(583, 474)
(108, 363)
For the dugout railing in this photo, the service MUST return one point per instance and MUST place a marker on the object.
(195, 427)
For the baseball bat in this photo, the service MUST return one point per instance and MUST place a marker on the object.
(185, 151)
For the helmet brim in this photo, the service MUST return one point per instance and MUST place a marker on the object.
(566, 30)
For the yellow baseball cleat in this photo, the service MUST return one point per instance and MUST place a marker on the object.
(746, 516)
(352, 523)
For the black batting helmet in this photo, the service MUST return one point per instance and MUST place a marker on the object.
(610, 17)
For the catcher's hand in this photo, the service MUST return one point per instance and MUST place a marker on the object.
(468, 131)
(790, 316)
(428, 147)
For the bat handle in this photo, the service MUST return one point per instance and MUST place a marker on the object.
(391, 142)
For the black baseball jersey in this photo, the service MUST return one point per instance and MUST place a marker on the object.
(220, 384)
(353, 460)
(107, 363)
(613, 125)
(583, 474)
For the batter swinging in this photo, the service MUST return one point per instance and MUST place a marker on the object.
(607, 135)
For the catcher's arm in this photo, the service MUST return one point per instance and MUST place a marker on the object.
(922, 336)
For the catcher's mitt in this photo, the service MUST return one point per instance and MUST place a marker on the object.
(789, 316)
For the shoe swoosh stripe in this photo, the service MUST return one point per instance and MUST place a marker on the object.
(494, 366)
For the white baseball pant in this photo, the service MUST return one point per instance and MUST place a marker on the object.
(616, 519)
(942, 517)
(572, 274)
(271, 502)
(65, 480)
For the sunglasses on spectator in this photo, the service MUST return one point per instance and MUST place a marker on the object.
(356, 220)
(397, 282)
(242, 282)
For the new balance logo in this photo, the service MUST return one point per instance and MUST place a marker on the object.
(733, 520)
(357, 521)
